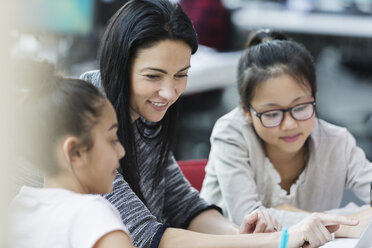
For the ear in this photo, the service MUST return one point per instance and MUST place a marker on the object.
(73, 153)
(246, 113)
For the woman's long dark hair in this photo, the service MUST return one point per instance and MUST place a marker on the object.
(137, 25)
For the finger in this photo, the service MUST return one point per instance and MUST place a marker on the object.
(269, 222)
(333, 228)
(324, 234)
(312, 235)
(249, 223)
(328, 220)
(279, 227)
(306, 245)
(261, 223)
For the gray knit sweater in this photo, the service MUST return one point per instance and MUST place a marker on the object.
(173, 203)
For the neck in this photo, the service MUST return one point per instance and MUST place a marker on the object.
(288, 165)
(133, 115)
(281, 157)
(61, 181)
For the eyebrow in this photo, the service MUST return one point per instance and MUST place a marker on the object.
(113, 126)
(163, 71)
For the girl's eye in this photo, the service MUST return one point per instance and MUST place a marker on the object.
(115, 141)
(272, 114)
(300, 108)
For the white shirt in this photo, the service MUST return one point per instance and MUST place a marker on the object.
(46, 217)
(240, 178)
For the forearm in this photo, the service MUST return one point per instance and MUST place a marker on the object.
(187, 239)
(287, 207)
(364, 218)
(212, 222)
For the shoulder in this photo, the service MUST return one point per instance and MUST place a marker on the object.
(232, 124)
(232, 119)
(328, 136)
(327, 130)
(97, 207)
(93, 77)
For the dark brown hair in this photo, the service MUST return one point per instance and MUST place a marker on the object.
(270, 54)
(52, 108)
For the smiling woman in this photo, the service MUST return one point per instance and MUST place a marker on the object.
(158, 78)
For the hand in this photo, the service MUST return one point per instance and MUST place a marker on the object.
(258, 222)
(364, 218)
(316, 229)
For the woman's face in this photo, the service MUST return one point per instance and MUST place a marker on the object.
(281, 92)
(158, 77)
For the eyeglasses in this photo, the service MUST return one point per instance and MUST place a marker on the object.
(273, 118)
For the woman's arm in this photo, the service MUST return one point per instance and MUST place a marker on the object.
(212, 222)
(314, 230)
(142, 225)
(182, 203)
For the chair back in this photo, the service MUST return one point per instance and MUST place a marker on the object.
(194, 171)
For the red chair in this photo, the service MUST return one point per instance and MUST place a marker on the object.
(194, 171)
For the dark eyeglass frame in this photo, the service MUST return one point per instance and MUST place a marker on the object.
(259, 115)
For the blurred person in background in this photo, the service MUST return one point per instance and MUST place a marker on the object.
(212, 22)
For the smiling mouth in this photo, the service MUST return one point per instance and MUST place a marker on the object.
(291, 139)
(158, 104)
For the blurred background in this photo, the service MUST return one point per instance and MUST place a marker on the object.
(337, 32)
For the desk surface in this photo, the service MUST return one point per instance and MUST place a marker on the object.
(341, 243)
(315, 23)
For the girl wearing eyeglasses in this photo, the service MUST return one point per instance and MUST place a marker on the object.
(273, 153)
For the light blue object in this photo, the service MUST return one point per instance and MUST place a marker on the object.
(56, 16)
(284, 238)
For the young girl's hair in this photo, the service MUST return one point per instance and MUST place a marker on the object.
(140, 24)
(270, 54)
(52, 108)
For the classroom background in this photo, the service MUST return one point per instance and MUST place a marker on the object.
(337, 32)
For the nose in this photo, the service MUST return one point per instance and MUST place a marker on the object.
(120, 151)
(168, 90)
(288, 122)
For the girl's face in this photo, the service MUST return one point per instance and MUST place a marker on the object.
(158, 77)
(281, 92)
(102, 159)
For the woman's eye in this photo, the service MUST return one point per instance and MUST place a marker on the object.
(152, 77)
(181, 76)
